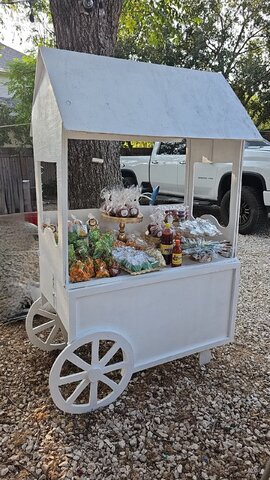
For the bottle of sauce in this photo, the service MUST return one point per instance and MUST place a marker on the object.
(177, 254)
(166, 243)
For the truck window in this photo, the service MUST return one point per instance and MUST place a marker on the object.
(172, 148)
(257, 143)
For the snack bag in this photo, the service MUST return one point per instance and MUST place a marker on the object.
(71, 254)
(101, 269)
(81, 249)
(92, 222)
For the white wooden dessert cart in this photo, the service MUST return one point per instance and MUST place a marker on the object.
(126, 324)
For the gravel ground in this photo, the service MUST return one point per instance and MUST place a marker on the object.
(178, 420)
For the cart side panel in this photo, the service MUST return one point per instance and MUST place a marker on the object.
(164, 319)
(51, 284)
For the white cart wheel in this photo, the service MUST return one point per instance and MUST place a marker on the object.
(91, 372)
(44, 327)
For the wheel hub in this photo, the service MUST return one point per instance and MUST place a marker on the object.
(244, 212)
(94, 373)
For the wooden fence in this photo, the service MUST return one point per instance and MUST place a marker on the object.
(17, 167)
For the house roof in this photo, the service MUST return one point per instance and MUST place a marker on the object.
(117, 99)
(7, 54)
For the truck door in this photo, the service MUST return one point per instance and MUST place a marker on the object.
(167, 167)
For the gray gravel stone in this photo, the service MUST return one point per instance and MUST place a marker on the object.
(176, 421)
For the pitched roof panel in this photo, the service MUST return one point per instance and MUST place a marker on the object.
(124, 98)
(7, 54)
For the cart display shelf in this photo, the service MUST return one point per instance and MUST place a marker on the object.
(107, 329)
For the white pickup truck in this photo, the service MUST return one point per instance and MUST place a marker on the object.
(166, 167)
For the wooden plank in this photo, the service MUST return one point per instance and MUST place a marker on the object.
(27, 195)
(11, 185)
(27, 167)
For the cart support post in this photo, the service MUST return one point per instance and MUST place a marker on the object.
(189, 178)
(205, 357)
(62, 203)
(235, 198)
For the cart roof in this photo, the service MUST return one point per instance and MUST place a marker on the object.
(103, 97)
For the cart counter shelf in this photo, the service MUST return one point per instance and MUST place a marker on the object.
(108, 329)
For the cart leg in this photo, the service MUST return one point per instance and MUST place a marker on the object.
(205, 357)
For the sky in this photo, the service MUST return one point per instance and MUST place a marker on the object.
(10, 36)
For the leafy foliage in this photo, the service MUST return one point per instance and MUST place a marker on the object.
(39, 28)
(227, 36)
(5, 119)
(21, 73)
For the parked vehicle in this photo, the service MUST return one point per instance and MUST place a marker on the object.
(166, 167)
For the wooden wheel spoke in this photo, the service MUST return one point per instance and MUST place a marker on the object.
(44, 326)
(113, 367)
(93, 399)
(50, 321)
(90, 385)
(52, 334)
(108, 356)
(78, 390)
(95, 352)
(113, 385)
(73, 377)
(79, 362)
(44, 313)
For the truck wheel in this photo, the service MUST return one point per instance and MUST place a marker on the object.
(252, 210)
(128, 181)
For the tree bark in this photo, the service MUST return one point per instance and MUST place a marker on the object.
(93, 31)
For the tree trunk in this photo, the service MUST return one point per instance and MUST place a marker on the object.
(88, 31)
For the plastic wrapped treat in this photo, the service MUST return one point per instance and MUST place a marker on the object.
(51, 226)
(121, 202)
(92, 222)
(133, 200)
(103, 247)
(81, 271)
(176, 215)
(156, 224)
(71, 254)
(81, 249)
(204, 251)
(101, 269)
(113, 267)
(135, 261)
(70, 226)
(135, 240)
(198, 227)
(78, 227)
(155, 253)
(93, 237)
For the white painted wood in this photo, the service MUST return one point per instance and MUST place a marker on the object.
(94, 371)
(157, 317)
(164, 308)
(46, 123)
(205, 357)
(62, 205)
(235, 197)
(45, 335)
(114, 98)
(215, 151)
(189, 178)
(27, 196)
